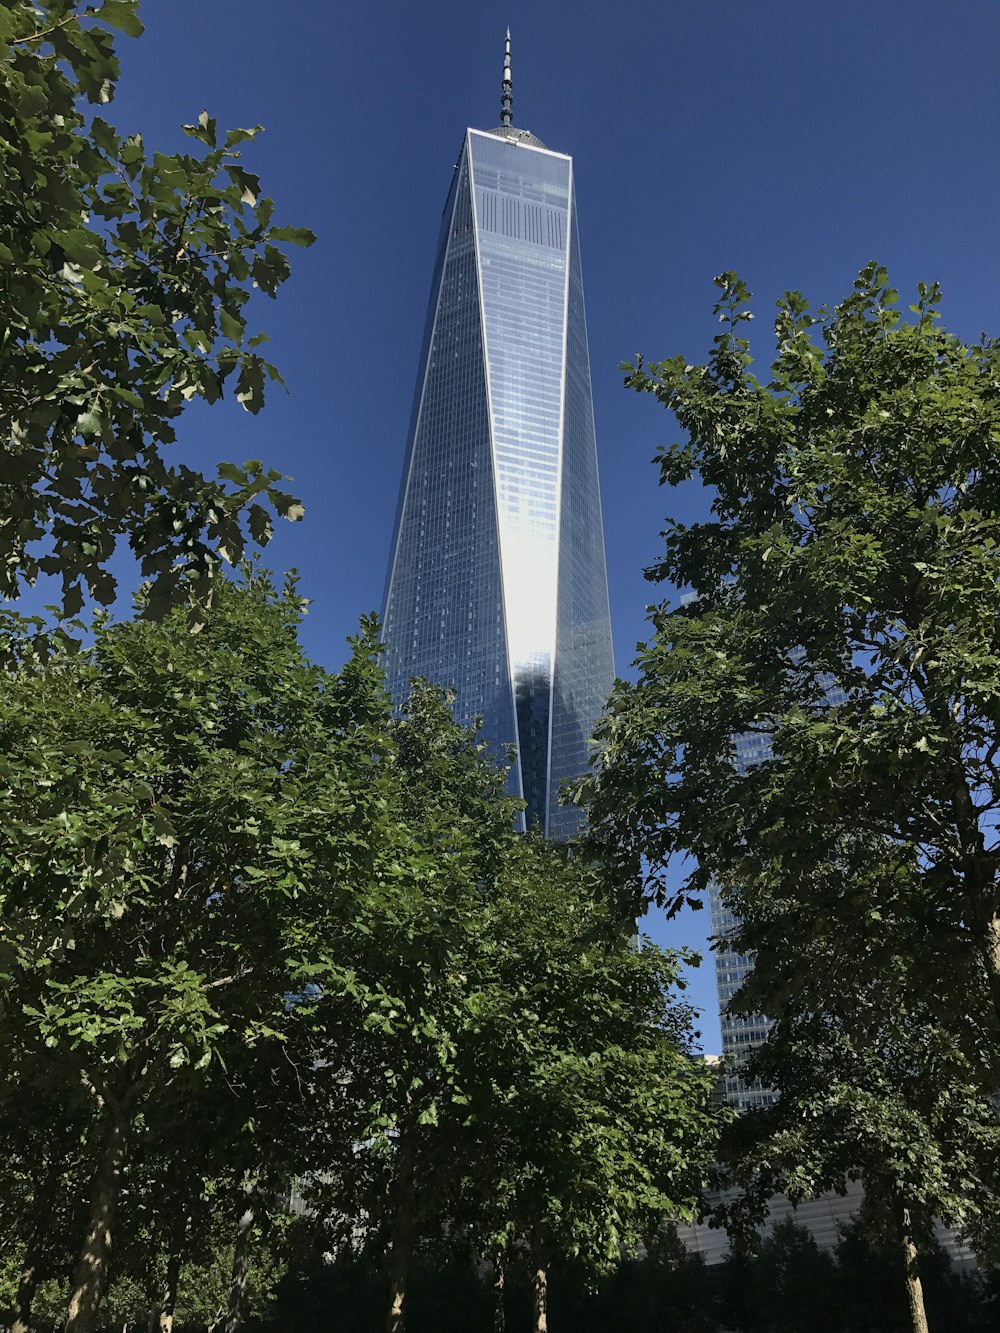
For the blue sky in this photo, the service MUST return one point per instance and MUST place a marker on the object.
(790, 141)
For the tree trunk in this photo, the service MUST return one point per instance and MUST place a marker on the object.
(403, 1226)
(91, 1275)
(26, 1285)
(990, 935)
(241, 1267)
(911, 1270)
(540, 1282)
(499, 1318)
(165, 1322)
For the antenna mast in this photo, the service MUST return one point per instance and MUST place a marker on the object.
(506, 89)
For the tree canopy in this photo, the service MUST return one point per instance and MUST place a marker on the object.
(185, 821)
(127, 274)
(841, 613)
(239, 894)
(844, 611)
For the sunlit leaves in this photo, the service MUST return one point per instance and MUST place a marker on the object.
(124, 300)
(843, 611)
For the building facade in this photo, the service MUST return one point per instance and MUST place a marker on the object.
(740, 1034)
(497, 585)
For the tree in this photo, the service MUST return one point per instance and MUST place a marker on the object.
(42, 1172)
(601, 1122)
(391, 1078)
(186, 821)
(868, 1265)
(845, 610)
(126, 276)
(519, 1072)
(899, 1106)
(794, 1282)
(880, 1073)
(844, 614)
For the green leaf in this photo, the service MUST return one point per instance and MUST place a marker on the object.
(286, 505)
(231, 472)
(235, 137)
(127, 396)
(247, 182)
(122, 14)
(132, 153)
(296, 235)
(232, 325)
(152, 314)
(90, 422)
(80, 246)
(104, 136)
(207, 123)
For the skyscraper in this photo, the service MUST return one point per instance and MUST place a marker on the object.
(741, 1035)
(497, 583)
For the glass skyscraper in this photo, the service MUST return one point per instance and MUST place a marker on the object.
(497, 583)
(740, 1034)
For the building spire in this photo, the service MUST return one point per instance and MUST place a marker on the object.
(506, 89)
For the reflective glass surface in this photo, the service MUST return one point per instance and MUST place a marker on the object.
(584, 667)
(497, 583)
(740, 1035)
(522, 216)
(443, 613)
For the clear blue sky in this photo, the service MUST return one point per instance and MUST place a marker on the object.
(791, 141)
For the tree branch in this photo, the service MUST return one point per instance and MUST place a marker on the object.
(47, 32)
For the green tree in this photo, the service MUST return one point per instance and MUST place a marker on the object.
(601, 1121)
(844, 616)
(870, 1300)
(126, 277)
(390, 1078)
(186, 821)
(880, 1074)
(793, 1284)
(852, 543)
(41, 1173)
(517, 1069)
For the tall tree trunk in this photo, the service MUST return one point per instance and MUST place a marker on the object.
(499, 1318)
(990, 948)
(241, 1267)
(403, 1227)
(26, 1285)
(168, 1300)
(911, 1270)
(91, 1275)
(540, 1281)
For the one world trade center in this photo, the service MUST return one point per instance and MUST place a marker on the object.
(497, 583)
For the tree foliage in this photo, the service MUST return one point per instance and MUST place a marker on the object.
(842, 617)
(127, 273)
(257, 928)
(845, 613)
(186, 818)
(526, 1072)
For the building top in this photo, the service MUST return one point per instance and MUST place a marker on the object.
(512, 135)
(506, 130)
